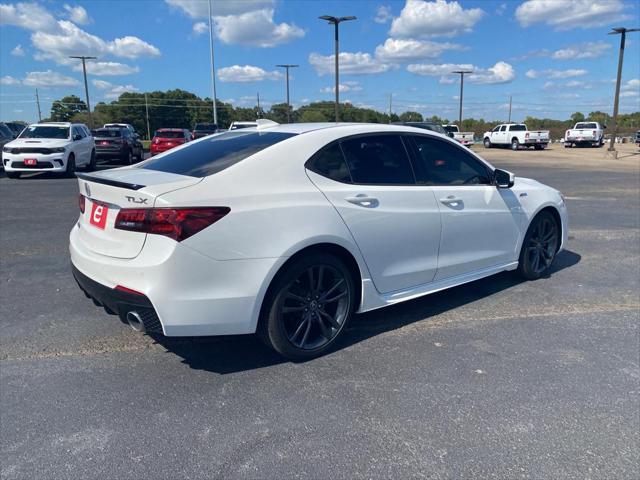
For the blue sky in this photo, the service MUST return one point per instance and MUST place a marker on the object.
(553, 56)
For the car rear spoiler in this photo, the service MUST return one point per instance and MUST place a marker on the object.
(106, 181)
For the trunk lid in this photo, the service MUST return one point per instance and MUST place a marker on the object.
(110, 191)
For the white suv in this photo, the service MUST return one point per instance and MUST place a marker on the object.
(50, 147)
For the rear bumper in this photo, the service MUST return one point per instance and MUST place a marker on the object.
(109, 152)
(118, 301)
(192, 294)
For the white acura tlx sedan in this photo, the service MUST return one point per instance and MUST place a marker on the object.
(288, 230)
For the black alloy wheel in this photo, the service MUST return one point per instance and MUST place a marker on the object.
(310, 305)
(539, 247)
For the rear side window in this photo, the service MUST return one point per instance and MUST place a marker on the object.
(518, 128)
(442, 163)
(378, 160)
(214, 154)
(329, 162)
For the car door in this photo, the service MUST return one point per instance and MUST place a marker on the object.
(481, 224)
(495, 134)
(81, 147)
(395, 223)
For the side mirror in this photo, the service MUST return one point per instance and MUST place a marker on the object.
(503, 179)
(77, 137)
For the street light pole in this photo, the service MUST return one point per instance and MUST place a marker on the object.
(623, 35)
(336, 21)
(461, 73)
(213, 73)
(86, 87)
(287, 67)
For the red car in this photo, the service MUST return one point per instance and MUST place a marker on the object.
(166, 138)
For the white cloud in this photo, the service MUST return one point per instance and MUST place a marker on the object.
(101, 84)
(350, 63)
(200, 9)
(69, 39)
(246, 73)
(30, 16)
(419, 18)
(349, 86)
(583, 50)
(107, 68)
(398, 50)
(255, 28)
(118, 90)
(78, 14)
(9, 80)
(18, 51)
(630, 88)
(49, 78)
(383, 14)
(501, 9)
(501, 72)
(199, 28)
(556, 74)
(567, 14)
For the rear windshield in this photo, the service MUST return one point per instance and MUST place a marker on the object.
(206, 126)
(434, 127)
(237, 126)
(518, 128)
(586, 125)
(48, 131)
(169, 134)
(214, 154)
(106, 133)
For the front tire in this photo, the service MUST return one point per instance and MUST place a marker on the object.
(539, 247)
(487, 143)
(71, 166)
(307, 307)
(91, 166)
(515, 144)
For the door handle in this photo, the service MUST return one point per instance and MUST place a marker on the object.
(450, 200)
(363, 200)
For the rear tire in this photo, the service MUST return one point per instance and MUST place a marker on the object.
(128, 157)
(567, 145)
(12, 174)
(70, 171)
(487, 143)
(539, 247)
(515, 144)
(307, 307)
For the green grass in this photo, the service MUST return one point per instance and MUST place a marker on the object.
(146, 144)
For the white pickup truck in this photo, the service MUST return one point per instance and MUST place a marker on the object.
(585, 133)
(465, 138)
(516, 135)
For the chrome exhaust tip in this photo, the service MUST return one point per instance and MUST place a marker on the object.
(135, 321)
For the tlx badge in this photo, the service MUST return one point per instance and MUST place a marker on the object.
(142, 201)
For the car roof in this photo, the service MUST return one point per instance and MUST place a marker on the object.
(59, 124)
(170, 130)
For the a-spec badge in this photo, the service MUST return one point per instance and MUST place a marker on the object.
(87, 189)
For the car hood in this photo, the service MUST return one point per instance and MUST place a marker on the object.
(38, 142)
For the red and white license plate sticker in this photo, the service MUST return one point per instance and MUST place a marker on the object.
(99, 214)
(30, 162)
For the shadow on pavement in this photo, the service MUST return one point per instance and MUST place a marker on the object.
(232, 354)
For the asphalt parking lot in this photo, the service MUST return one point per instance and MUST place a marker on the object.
(495, 379)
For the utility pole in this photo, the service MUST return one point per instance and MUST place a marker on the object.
(213, 73)
(287, 67)
(258, 98)
(146, 106)
(336, 21)
(461, 73)
(38, 103)
(390, 97)
(509, 109)
(86, 87)
(623, 35)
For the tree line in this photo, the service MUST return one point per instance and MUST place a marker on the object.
(182, 109)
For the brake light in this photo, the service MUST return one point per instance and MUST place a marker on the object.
(81, 203)
(594, 133)
(526, 135)
(176, 223)
(124, 289)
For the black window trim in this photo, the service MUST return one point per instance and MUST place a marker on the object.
(309, 163)
(414, 158)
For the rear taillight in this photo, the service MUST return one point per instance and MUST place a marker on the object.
(81, 203)
(594, 133)
(176, 223)
(526, 135)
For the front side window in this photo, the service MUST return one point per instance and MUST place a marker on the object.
(329, 162)
(378, 160)
(78, 131)
(214, 154)
(503, 128)
(496, 129)
(442, 163)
